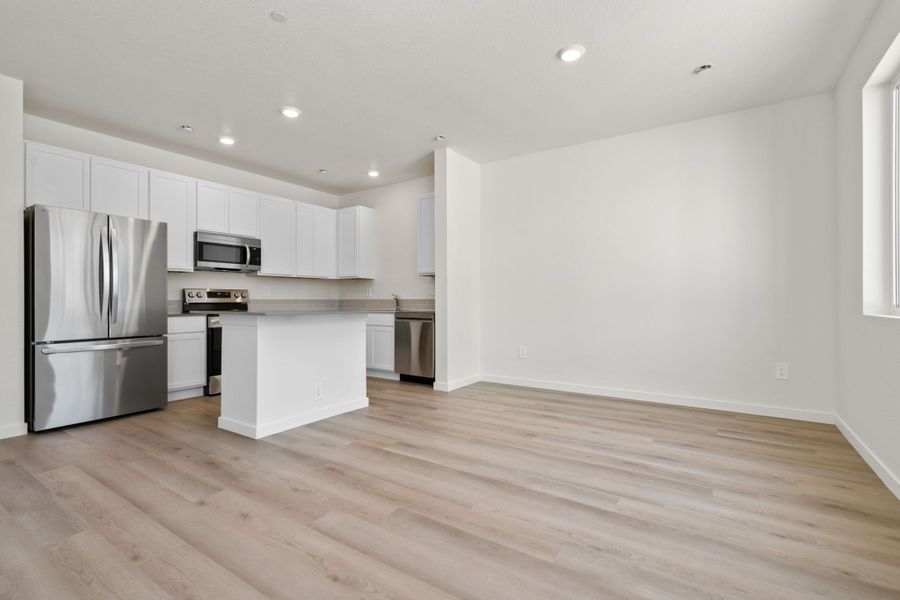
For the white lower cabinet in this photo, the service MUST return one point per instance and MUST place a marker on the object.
(380, 342)
(187, 355)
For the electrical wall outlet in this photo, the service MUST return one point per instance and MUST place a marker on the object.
(523, 351)
(267, 291)
(781, 370)
(369, 292)
(318, 394)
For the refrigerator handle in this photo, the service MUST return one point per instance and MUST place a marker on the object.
(114, 273)
(104, 271)
(67, 348)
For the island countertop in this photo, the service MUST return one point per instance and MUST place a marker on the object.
(326, 311)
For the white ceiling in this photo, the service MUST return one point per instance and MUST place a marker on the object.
(377, 80)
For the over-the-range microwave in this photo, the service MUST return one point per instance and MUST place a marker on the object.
(223, 252)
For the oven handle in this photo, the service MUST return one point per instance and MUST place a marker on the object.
(247, 246)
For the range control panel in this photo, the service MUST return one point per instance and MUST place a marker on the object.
(214, 296)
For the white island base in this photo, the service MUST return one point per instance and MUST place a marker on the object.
(280, 371)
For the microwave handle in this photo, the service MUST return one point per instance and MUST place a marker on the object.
(247, 246)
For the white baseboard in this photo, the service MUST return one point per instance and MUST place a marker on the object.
(382, 374)
(186, 393)
(13, 430)
(642, 396)
(890, 479)
(449, 386)
(260, 431)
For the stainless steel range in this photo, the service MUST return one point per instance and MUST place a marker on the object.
(212, 302)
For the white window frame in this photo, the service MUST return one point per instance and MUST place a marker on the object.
(895, 194)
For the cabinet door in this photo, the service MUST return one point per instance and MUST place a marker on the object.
(347, 260)
(370, 349)
(212, 207)
(187, 360)
(277, 229)
(365, 243)
(382, 345)
(326, 241)
(426, 235)
(243, 212)
(306, 240)
(56, 177)
(173, 200)
(119, 188)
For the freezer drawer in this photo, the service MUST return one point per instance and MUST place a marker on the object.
(83, 381)
(414, 345)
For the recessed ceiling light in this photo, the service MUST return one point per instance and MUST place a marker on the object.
(227, 140)
(702, 69)
(278, 16)
(186, 128)
(290, 112)
(374, 173)
(323, 171)
(571, 53)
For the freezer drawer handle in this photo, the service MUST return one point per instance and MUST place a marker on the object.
(92, 347)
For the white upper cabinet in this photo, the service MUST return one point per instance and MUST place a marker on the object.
(119, 188)
(355, 242)
(57, 177)
(306, 240)
(315, 241)
(227, 210)
(212, 207)
(173, 200)
(426, 235)
(243, 213)
(277, 231)
(326, 242)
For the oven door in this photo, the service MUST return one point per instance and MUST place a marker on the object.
(214, 252)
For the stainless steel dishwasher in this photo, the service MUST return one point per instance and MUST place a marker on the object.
(414, 345)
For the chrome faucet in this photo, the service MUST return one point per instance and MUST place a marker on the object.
(396, 302)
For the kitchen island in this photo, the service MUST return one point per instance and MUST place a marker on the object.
(283, 369)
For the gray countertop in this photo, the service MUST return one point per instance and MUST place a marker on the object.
(287, 313)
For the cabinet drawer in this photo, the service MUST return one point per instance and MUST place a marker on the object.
(385, 319)
(191, 324)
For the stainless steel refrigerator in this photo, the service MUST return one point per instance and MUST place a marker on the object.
(95, 316)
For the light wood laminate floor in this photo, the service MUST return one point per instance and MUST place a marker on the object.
(489, 492)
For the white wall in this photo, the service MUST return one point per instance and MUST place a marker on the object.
(67, 136)
(457, 185)
(868, 398)
(12, 201)
(396, 224)
(676, 264)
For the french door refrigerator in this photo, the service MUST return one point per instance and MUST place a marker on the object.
(95, 316)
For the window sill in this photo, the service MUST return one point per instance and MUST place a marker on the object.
(881, 316)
